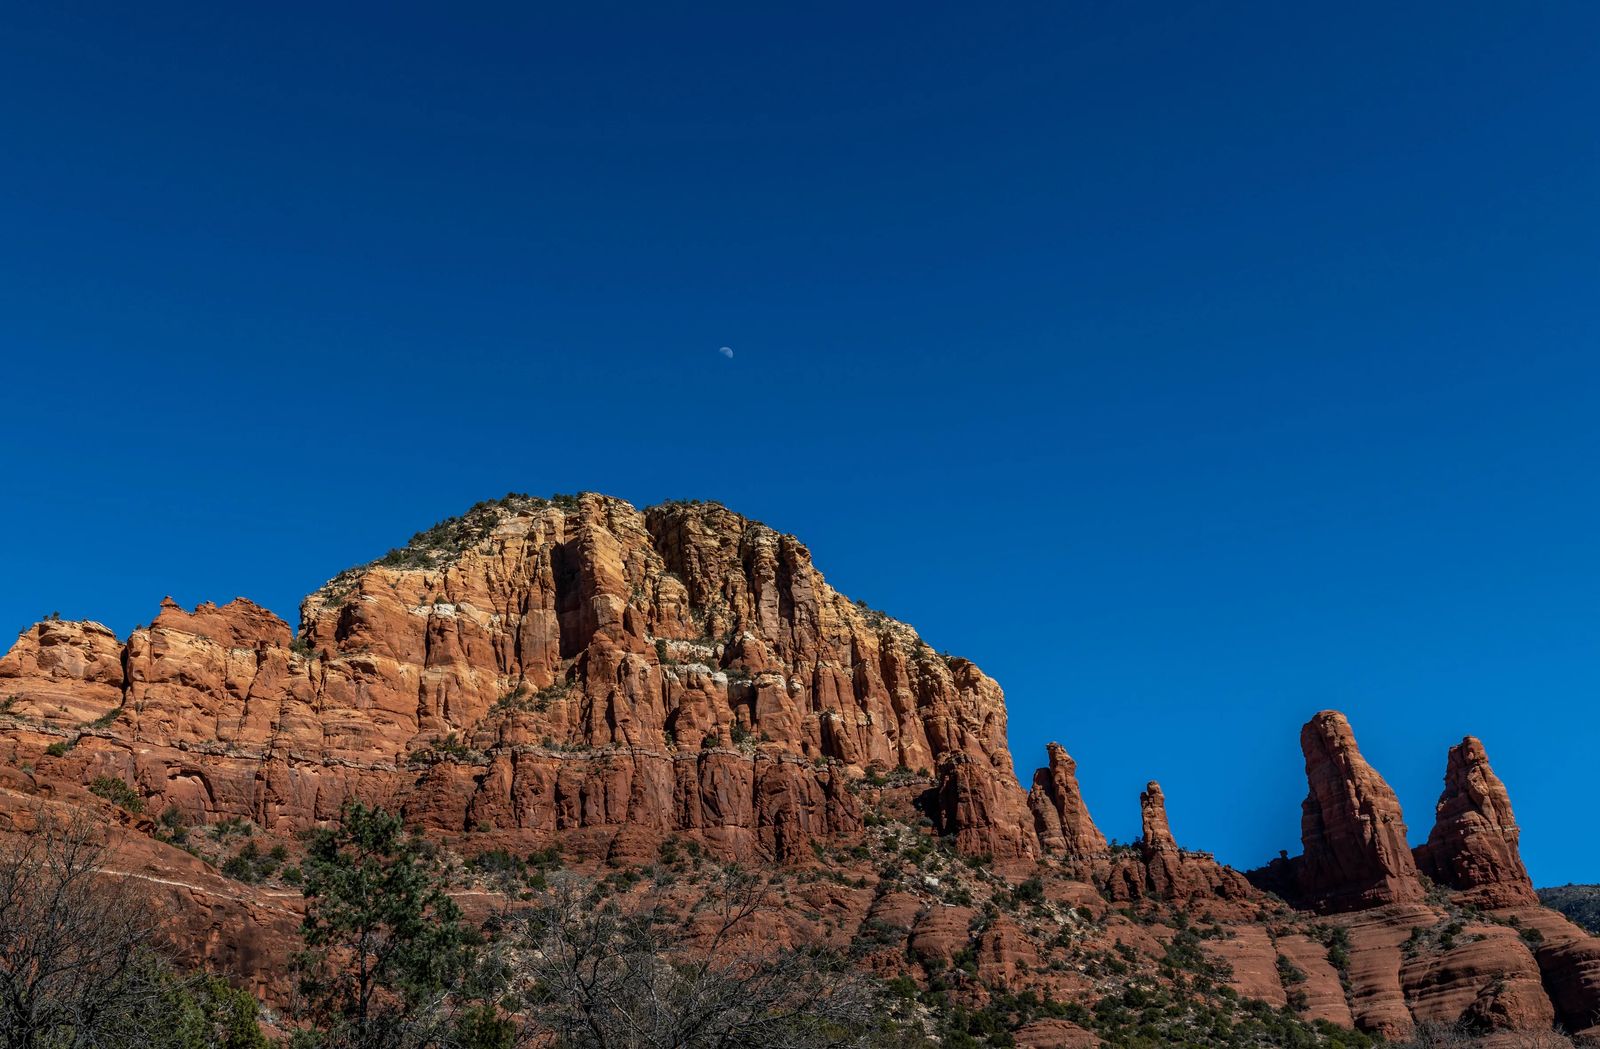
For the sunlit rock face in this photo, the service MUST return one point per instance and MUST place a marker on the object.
(539, 666)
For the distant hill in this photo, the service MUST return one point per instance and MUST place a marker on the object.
(1581, 903)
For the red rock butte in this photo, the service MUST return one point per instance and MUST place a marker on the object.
(578, 672)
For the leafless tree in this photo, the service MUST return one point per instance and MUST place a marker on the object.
(1461, 1036)
(76, 971)
(595, 975)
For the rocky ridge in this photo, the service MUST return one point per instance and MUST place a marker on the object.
(578, 673)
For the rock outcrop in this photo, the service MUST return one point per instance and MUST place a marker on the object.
(1060, 816)
(637, 685)
(1156, 869)
(1488, 979)
(1354, 836)
(1473, 844)
(1569, 963)
(62, 672)
(1162, 859)
(983, 814)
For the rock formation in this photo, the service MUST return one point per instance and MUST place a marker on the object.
(1163, 861)
(622, 682)
(1158, 870)
(982, 813)
(73, 672)
(1060, 817)
(547, 667)
(1351, 828)
(1473, 844)
(1408, 961)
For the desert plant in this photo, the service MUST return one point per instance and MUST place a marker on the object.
(387, 956)
(117, 792)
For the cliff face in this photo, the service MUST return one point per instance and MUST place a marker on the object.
(545, 668)
(579, 672)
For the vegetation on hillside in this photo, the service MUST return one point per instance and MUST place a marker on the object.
(666, 955)
(448, 539)
(78, 965)
(1581, 903)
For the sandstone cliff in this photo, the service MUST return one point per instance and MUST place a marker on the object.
(579, 673)
(539, 667)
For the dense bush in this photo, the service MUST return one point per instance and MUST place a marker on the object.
(117, 792)
(251, 865)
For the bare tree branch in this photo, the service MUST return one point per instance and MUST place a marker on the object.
(75, 965)
(593, 975)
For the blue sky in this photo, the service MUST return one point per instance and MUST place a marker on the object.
(1190, 367)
